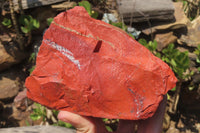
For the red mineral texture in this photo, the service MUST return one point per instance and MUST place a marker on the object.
(92, 68)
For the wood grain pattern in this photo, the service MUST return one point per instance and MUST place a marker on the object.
(34, 3)
(141, 10)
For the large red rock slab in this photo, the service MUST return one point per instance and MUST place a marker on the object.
(92, 68)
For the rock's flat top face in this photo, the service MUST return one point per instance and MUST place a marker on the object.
(37, 129)
(91, 68)
(192, 37)
(9, 84)
(136, 6)
(143, 10)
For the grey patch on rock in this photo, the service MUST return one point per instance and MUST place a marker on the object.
(196, 78)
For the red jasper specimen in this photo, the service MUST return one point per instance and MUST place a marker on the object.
(92, 68)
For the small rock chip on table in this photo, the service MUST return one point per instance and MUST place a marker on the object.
(92, 68)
